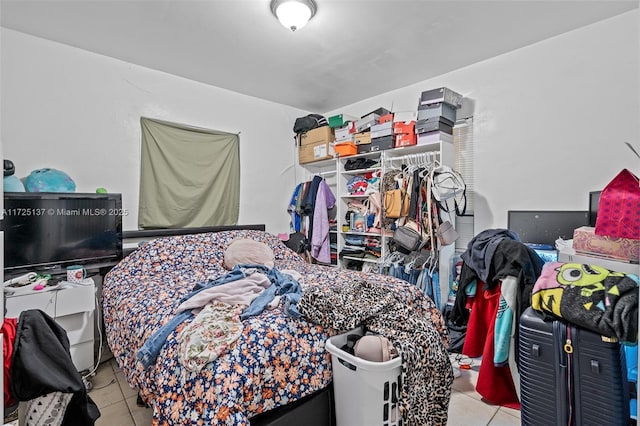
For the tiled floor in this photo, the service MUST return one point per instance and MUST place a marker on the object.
(117, 401)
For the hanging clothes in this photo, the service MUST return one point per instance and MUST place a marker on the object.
(325, 200)
(295, 225)
(494, 383)
(310, 207)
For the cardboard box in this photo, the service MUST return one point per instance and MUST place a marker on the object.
(437, 110)
(405, 139)
(441, 94)
(385, 118)
(362, 138)
(379, 144)
(404, 127)
(379, 111)
(344, 133)
(317, 135)
(364, 148)
(434, 137)
(340, 120)
(315, 152)
(586, 241)
(433, 124)
(405, 116)
(366, 122)
(380, 130)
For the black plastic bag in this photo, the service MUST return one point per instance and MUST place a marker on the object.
(309, 122)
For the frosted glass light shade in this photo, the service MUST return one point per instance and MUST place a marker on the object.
(293, 14)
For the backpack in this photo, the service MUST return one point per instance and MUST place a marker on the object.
(308, 122)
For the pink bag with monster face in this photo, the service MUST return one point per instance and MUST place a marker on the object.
(619, 208)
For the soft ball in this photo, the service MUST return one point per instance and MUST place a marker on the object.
(49, 180)
(12, 184)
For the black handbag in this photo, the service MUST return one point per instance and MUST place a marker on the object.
(408, 238)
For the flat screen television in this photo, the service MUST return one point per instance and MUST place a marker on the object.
(594, 202)
(46, 231)
(546, 226)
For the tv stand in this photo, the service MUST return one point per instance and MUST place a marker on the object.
(60, 272)
(73, 308)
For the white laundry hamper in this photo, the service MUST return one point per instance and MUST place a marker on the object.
(366, 393)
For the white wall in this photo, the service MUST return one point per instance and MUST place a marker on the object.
(550, 119)
(79, 112)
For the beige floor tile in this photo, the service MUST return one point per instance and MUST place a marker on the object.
(503, 418)
(107, 395)
(467, 411)
(466, 383)
(510, 411)
(103, 376)
(115, 415)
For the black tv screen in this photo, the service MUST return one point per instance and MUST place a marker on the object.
(46, 232)
(594, 202)
(546, 226)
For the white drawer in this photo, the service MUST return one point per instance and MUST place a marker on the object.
(73, 309)
(74, 300)
(45, 301)
(79, 327)
(82, 355)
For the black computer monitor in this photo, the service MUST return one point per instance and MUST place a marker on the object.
(546, 226)
(594, 201)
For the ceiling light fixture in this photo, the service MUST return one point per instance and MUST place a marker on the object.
(293, 14)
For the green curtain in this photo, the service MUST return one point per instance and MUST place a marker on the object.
(189, 177)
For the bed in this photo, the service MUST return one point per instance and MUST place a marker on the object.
(276, 362)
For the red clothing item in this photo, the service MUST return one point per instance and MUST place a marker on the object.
(495, 384)
(8, 331)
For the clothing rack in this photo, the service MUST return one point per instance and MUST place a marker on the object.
(415, 159)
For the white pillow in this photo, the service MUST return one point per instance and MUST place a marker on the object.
(244, 250)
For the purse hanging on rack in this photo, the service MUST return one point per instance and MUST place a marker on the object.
(396, 203)
(448, 184)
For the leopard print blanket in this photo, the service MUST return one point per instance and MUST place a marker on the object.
(427, 374)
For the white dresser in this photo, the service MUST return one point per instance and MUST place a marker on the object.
(72, 308)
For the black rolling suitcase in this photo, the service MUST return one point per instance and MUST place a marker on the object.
(570, 376)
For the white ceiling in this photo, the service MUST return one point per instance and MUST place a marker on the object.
(351, 50)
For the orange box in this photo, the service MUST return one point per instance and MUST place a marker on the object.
(586, 241)
(346, 149)
(405, 139)
(385, 118)
(404, 127)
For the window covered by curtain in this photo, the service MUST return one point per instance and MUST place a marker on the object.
(190, 177)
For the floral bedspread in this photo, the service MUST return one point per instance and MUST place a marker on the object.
(276, 360)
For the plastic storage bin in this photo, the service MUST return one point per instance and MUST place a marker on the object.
(366, 393)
